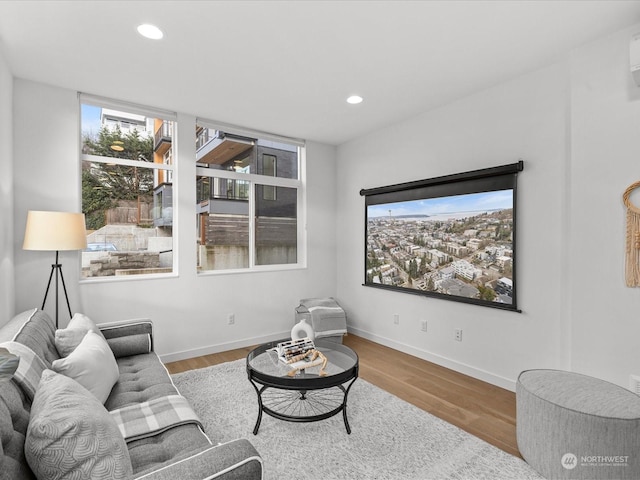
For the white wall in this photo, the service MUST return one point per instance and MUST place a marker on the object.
(189, 311)
(521, 119)
(605, 160)
(7, 292)
(576, 125)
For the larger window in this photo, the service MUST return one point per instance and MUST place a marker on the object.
(127, 190)
(249, 192)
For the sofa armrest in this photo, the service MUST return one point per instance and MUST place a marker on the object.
(235, 460)
(129, 337)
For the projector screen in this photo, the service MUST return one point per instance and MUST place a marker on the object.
(451, 237)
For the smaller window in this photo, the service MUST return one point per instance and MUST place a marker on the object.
(127, 197)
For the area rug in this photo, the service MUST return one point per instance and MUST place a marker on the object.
(390, 439)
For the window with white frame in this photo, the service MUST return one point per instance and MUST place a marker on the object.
(249, 195)
(127, 192)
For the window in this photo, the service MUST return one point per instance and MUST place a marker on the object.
(127, 191)
(249, 195)
(269, 168)
(276, 225)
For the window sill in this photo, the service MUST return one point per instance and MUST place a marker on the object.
(257, 269)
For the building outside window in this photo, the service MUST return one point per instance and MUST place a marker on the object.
(249, 196)
(127, 192)
(269, 169)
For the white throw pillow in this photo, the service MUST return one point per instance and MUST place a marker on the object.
(92, 365)
(66, 340)
(80, 320)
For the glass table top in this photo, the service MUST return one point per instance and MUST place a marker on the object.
(264, 360)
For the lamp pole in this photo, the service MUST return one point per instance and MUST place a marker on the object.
(57, 267)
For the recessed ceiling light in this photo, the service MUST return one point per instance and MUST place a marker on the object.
(150, 31)
(354, 99)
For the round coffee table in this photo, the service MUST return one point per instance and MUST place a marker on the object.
(305, 396)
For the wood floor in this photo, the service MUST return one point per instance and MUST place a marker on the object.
(484, 410)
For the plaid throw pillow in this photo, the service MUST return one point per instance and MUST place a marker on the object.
(8, 364)
(29, 369)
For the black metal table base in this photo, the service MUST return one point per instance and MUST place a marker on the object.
(298, 405)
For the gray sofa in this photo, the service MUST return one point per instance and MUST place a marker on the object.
(179, 452)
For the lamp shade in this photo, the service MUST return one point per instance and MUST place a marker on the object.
(54, 231)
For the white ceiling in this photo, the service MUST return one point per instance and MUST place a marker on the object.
(286, 67)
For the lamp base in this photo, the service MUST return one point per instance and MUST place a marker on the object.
(57, 268)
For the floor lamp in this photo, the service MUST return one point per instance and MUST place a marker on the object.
(55, 231)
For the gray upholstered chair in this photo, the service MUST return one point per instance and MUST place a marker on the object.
(575, 426)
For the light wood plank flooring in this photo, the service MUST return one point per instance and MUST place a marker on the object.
(482, 409)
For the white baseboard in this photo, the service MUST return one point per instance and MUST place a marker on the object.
(222, 347)
(474, 372)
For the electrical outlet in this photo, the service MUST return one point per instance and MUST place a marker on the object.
(458, 334)
(396, 318)
(231, 319)
(423, 325)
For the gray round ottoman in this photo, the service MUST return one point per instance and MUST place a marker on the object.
(575, 426)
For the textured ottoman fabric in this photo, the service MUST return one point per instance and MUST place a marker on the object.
(575, 426)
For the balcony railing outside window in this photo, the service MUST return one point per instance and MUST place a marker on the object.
(222, 188)
(203, 137)
(163, 134)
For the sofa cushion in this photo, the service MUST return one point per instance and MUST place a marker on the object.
(38, 333)
(143, 378)
(91, 364)
(237, 459)
(71, 435)
(151, 453)
(13, 326)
